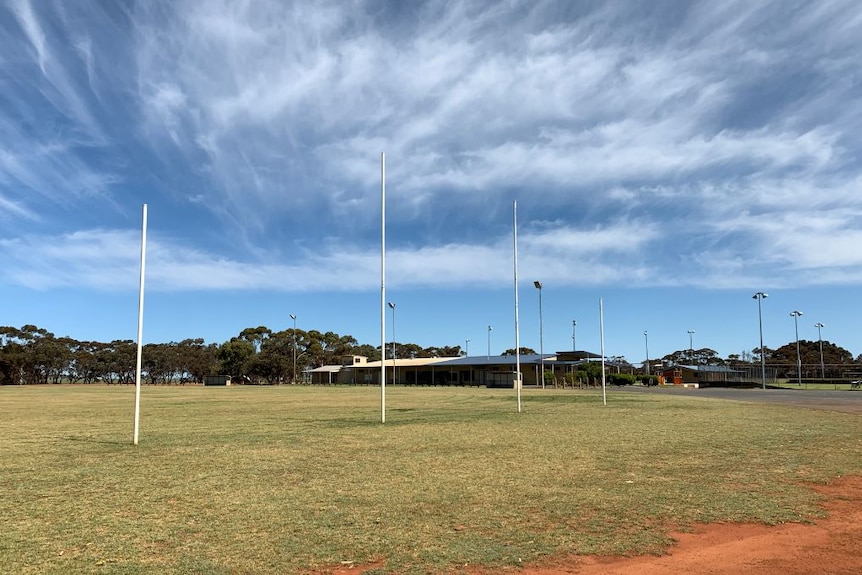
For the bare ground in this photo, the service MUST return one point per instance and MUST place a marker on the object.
(832, 545)
(827, 546)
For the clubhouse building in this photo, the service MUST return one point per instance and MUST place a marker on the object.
(488, 371)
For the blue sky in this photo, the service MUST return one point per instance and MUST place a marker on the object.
(672, 158)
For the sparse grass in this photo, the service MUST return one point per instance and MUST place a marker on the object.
(296, 479)
(791, 384)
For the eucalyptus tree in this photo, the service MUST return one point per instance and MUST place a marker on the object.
(235, 358)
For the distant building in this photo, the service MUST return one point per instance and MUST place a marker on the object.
(216, 380)
(702, 375)
(489, 371)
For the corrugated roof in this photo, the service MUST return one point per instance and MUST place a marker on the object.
(325, 369)
(401, 362)
(498, 359)
(710, 368)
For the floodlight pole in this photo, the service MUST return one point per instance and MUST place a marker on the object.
(646, 348)
(293, 317)
(538, 285)
(489, 342)
(691, 345)
(394, 369)
(140, 327)
(819, 326)
(574, 334)
(760, 296)
(795, 315)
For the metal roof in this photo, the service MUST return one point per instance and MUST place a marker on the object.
(705, 368)
(498, 359)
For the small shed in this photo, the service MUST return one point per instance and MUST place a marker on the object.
(216, 380)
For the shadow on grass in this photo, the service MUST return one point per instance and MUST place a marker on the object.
(94, 440)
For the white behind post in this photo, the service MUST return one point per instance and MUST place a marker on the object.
(517, 330)
(140, 327)
(602, 335)
(382, 287)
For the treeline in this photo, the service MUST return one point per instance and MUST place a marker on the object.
(32, 355)
(835, 359)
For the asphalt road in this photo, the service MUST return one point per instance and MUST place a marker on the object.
(846, 401)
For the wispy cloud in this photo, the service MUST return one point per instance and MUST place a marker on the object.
(102, 259)
(666, 139)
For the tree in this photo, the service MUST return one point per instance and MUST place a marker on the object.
(159, 361)
(255, 335)
(13, 356)
(120, 359)
(834, 356)
(274, 363)
(524, 351)
(702, 356)
(367, 350)
(408, 350)
(197, 360)
(235, 357)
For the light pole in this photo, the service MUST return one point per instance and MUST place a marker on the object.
(489, 341)
(795, 315)
(760, 296)
(466, 348)
(574, 335)
(394, 369)
(293, 317)
(538, 285)
(691, 345)
(819, 326)
(646, 348)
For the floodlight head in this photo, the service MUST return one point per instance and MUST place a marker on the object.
(292, 316)
(538, 284)
(795, 313)
(760, 295)
(819, 325)
(391, 305)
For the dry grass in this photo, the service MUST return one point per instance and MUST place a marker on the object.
(294, 479)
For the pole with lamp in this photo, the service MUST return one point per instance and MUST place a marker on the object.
(489, 341)
(394, 369)
(538, 285)
(467, 354)
(293, 317)
(691, 345)
(795, 315)
(820, 326)
(574, 335)
(760, 296)
(646, 348)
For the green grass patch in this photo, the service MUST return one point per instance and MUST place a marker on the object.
(293, 479)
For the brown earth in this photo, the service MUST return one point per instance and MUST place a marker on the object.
(831, 545)
(827, 546)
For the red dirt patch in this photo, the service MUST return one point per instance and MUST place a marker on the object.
(832, 545)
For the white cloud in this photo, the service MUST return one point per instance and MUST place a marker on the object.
(10, 208)
(692, 132)
(108, 259)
